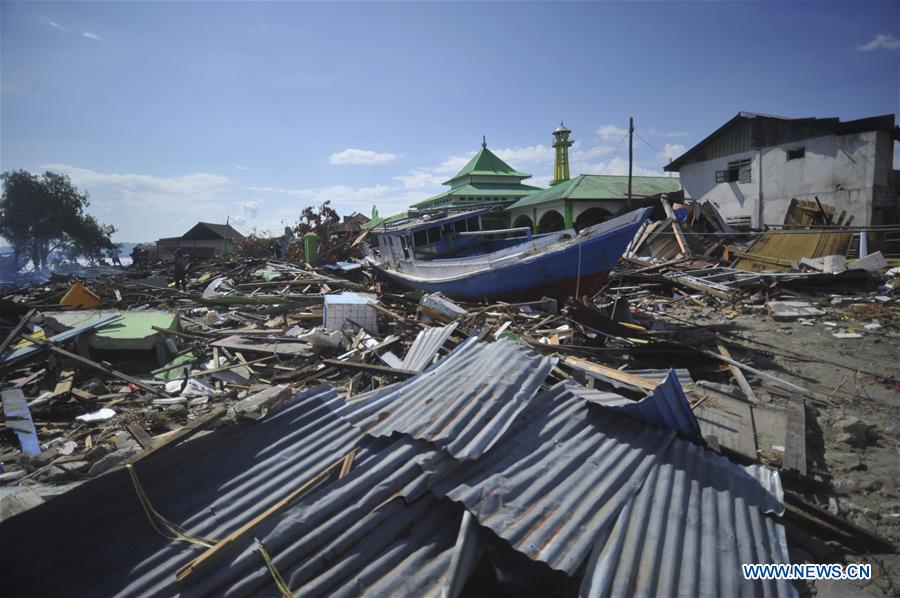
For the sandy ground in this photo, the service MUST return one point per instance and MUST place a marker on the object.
(858, 377)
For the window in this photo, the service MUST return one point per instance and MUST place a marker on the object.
(420, 238)
(459, 226)
(738, 172)
(434, 235)
(796, 153)
(472, 224)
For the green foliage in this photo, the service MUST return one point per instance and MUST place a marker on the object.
(40, 214)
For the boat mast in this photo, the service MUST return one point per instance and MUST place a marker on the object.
(630, 151)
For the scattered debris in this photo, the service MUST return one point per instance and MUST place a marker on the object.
(307, 406)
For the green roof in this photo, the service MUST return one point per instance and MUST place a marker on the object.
(587, 187)
(486, 162)
(481, 190)
(377, 221)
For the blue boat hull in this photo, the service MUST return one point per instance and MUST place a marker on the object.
(581, 268)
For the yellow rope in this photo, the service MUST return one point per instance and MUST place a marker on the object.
(163, 526)
(276, 576)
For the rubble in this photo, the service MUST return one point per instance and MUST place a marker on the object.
(393, 405)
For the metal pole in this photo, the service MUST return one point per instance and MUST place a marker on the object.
(630, 151)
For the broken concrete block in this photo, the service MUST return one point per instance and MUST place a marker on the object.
(791, 310)
(871, 263)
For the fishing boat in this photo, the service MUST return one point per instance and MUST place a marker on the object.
(442, 255)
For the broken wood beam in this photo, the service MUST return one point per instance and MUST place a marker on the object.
(17, 330)
(371, 368)
(608, 372)
(738, 375)
(93, 364)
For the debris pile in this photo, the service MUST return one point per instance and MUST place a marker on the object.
(322, 431)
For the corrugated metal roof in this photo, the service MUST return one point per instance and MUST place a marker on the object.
(555, 482)
(356, 536)
(587, 187)
(426, 346)
(697, 518)
(464, 404)
(665, 406)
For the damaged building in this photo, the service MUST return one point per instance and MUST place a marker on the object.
(753, 166)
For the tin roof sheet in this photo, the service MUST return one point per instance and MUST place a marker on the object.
(665, 406)
(554, 483)
(426, 346)
(464, 404)
(696, 519)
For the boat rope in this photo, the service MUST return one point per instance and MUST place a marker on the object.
(160, 524)
(282, 586)
(578, 278)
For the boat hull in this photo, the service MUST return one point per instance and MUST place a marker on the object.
(580, 266)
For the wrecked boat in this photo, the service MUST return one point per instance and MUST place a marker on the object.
(560, 264)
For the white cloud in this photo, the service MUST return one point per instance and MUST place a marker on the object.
(532, 154)
(611, 132)
(591, 153)
(425, 177)
(667, 134)
(89, 35)
(420, 178)
(55, 25)
(249, 209)
(670, 151)
(346, 199)
(539, 181)
(198, 183)
(239, 167)
(880, 41)
(146, 207)
(358, 156)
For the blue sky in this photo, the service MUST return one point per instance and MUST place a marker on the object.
(168, 113)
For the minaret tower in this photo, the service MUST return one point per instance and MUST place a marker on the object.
(561, 143)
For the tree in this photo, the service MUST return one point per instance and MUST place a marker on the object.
(42, 214)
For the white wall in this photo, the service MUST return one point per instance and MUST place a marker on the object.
(839, 169)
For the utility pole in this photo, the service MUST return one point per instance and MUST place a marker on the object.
(630, 151)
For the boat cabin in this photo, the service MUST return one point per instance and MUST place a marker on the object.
(433, 236)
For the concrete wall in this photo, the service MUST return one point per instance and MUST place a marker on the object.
(840, 169)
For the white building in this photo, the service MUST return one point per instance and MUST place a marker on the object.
(753, 165)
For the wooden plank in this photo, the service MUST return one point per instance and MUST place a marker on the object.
(16, 331)
(64, 384)
(288, 349)
(140, 435)
(795, 438)
(738, 376)
(679, 235)
(624, 377)
(368, 367)
(730, 421)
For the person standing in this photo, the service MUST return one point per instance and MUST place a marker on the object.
(181, 268)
